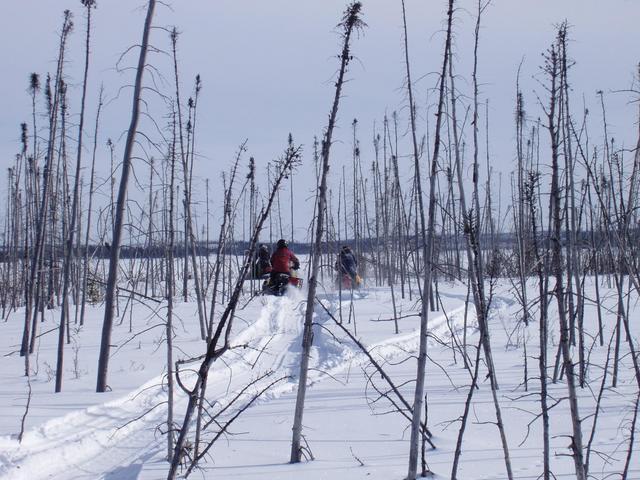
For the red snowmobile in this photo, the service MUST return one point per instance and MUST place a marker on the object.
(284, 265)
(277, 283)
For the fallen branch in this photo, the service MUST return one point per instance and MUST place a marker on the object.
(226, 426)
(378, 367)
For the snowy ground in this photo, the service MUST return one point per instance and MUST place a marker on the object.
(352, 434)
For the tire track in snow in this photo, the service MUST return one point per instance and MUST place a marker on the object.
(72, 446)
(391, 348)
(63, 443)
(91, 443)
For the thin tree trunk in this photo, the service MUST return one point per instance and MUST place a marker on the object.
(557, 267)
(69, 251)
(169, 296)
(219, 342)
(351, 21)
(191, 238)
(114, 260)
(36, 275)
(471, 228)
(428, 233)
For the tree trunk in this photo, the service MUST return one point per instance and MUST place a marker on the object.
(350, 22)
(69, 251)
(427, 233)
(557, 266)
(112, 280)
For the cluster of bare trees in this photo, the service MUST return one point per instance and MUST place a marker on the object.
(559, 240)
(551, 244)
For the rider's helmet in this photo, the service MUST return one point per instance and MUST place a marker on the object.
(282, 243)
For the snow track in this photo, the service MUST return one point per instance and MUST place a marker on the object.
(99, 439)
(120, 439)
(79, 440)
(116, 439)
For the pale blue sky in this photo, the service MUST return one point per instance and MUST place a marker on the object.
(267, 67)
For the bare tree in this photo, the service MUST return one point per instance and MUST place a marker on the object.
(189, 232)
(69, 250)
(85, 267)
(552, 68)
(220, 340)
(112, 280)
(33, 297)
(169, 283)
(351, 22)
(427, 234)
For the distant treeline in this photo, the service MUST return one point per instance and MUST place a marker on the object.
(499, 241)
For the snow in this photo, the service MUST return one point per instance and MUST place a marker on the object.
(351, 432)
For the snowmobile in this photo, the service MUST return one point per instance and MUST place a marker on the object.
(278, 283)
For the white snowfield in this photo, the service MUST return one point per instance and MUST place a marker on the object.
(351, 430)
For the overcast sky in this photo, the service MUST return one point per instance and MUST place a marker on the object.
(267, 67)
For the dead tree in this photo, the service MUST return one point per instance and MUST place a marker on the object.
(351, 22)
(471, 229)
(617, 232)
(552, 69)
(189, 231)
(169, 283)
(223, 237)
(69, 250)
(520, 212)
(220, 340)
(574, 284)
(114, 260)
(427, 234)
(33, 297)
(531, 191)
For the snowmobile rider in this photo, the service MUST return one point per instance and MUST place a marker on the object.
(347, 263)
(283, 259)
(263, 263)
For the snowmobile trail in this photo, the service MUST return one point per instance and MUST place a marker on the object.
(117, 439)
(87, 443)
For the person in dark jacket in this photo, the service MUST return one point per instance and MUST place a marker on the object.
(263, 263)
(283, 259)
(347, 262)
